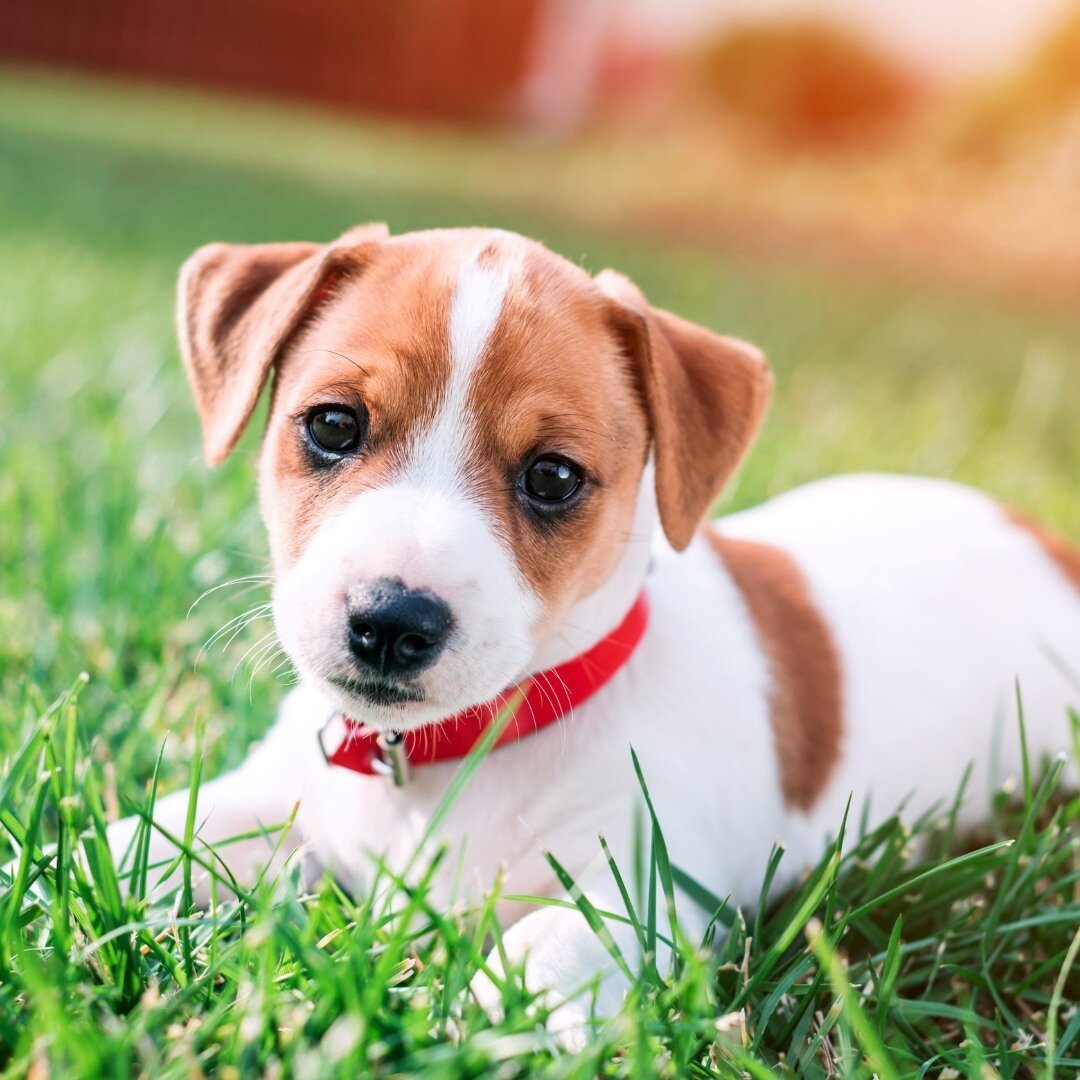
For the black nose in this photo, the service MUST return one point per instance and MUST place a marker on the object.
(398, 631)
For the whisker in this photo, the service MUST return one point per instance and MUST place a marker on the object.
(236, 624)
(261, 643)
(255, 579)
(268, 656)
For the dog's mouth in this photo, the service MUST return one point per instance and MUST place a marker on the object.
(380, 691)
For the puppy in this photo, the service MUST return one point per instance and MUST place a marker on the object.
(483, 476)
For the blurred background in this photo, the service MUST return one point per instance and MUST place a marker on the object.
(885, 196)
(864, 131)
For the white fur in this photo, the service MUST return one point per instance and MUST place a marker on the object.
(478, 299)
(939, 606)
(935, 600)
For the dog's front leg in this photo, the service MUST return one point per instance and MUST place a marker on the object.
(254, 801)
(568, 965)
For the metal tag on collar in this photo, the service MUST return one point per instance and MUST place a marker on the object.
(395, 758)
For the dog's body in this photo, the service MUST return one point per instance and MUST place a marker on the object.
(860, 637)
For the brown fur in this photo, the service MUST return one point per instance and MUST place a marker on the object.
(552, 381)
(807, 708)
(706, 395)
(1064, 554)
(380, 344)
(239, 304)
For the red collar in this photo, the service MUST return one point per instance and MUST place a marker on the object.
(544, 698)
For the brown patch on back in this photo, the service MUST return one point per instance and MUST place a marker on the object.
(1064, 554)
(806, 698)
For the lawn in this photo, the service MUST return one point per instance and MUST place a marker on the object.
(111, 529)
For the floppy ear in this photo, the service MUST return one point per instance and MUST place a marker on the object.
(705, 394)
(238, 306)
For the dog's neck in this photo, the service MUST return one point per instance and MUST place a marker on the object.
(600, 612)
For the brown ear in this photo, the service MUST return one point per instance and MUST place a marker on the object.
(238, 305)
(706, 396)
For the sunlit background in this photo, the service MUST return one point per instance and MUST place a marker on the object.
(862, 130)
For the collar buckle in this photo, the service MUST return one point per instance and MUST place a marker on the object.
(389, 756)
(393, 758)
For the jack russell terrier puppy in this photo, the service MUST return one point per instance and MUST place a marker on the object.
(486, 471)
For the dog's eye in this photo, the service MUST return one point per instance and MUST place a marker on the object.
(551, 479)
(335, 430)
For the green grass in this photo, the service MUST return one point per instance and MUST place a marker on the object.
(893, 957)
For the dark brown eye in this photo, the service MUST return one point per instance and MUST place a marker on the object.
(551, 479)
(334, 430)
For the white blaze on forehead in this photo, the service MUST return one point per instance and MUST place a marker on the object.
(478, 301)
(474, 313)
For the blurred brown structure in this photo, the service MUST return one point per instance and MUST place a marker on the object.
(807, 83)
(452, 59)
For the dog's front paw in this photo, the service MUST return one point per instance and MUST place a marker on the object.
(576, 982)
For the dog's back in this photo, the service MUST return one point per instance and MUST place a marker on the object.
(945, 608)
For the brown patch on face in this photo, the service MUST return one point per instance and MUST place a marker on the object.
(806, 699)
(1064, 554)
(378, 345)
(553, 381)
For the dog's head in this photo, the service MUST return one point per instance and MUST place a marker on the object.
(458, 430)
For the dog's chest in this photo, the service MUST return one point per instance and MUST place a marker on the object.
(521, 801)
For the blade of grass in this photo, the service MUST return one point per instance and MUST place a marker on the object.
(591, 914)
(852, 1014)
(639, 930)
(1056, 999)
(662, 862)
(464, 774)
